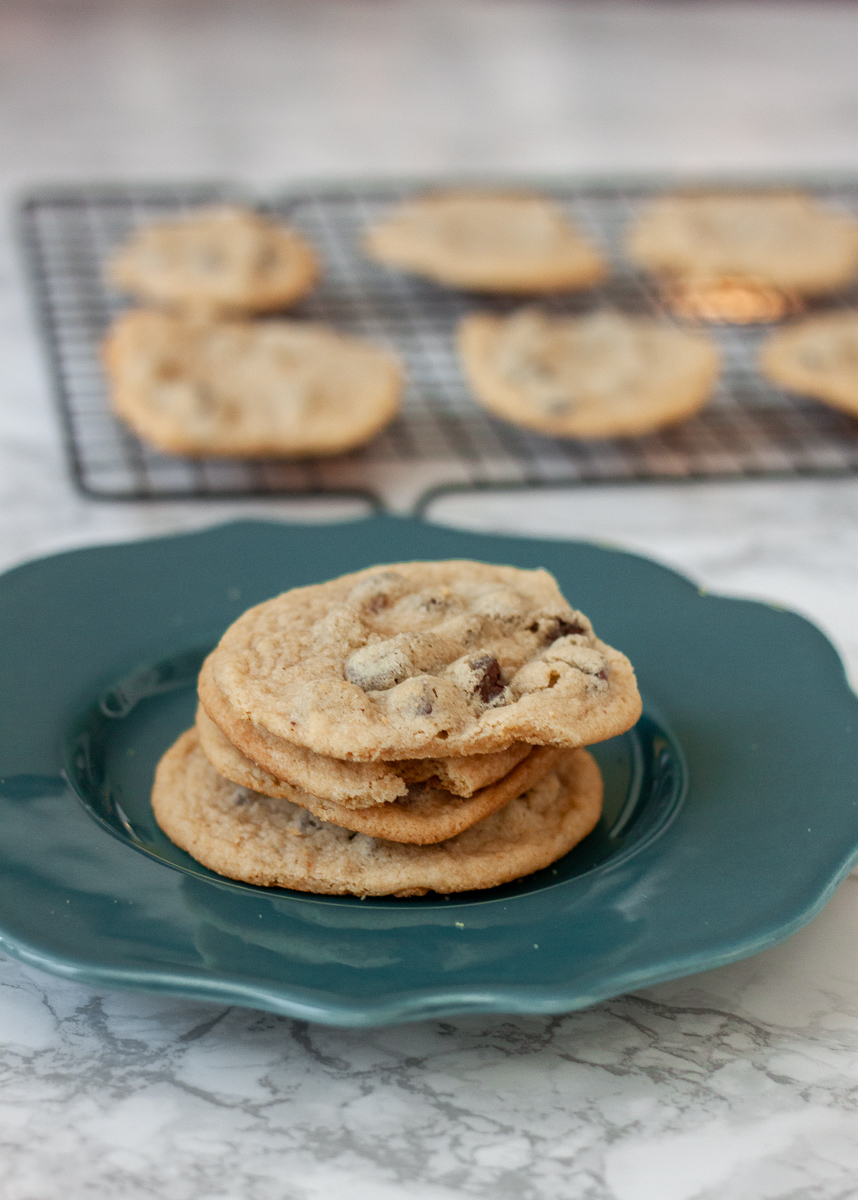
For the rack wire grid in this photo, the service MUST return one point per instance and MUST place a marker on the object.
(442, 441)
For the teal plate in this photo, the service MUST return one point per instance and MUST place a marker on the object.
(731, 809)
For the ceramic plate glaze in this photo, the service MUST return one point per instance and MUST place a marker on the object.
(731, 809)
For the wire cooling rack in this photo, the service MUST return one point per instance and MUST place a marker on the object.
(442, 440)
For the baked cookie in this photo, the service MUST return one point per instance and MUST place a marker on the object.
(818, 357)
(244, 389)
(487, 241)
(427, 814)
(347, 784)
(603, 375)
(217, 260)
(422, 660)
(261, 840)
(784, 240)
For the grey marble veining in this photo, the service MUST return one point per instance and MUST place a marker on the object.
(740, 1084)
(735, 1084)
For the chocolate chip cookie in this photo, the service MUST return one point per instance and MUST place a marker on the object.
(817, 357)
(261, 840)
(245, 389)
(217, 260)
(487, 241)
(785, 240)
(603, 375)
(347, 784)
(420, 660)
(427, 813)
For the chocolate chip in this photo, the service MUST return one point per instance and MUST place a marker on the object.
(376, 603)
(562, 628)
(421, 699)
(435, 604)
(378, 665)
(603, 674)
(416, 790)
(491, 682)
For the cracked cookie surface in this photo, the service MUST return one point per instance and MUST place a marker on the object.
(273, 388)
(602, 375)
(275, 843)
(487, 241)
(786, 239)
(217, 260)
(423, 660)
(426, 814)
(817, 357)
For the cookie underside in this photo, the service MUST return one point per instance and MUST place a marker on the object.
(352, 784)
(271, 842)
(426, 815)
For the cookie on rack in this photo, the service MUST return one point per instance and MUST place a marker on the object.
(487, 241)
(428, 813)
(273, 842)
(601, 375)
(421, 660)
(743, 256)
(817, 357)
(216, 260)
(245, 389)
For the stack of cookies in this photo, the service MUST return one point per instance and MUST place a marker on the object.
(194, 374)
(412, 728)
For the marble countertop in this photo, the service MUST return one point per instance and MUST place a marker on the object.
(739, 1084)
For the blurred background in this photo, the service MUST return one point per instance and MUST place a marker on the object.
(266, 92)
(273, 90)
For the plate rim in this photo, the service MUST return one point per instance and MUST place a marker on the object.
(436, 1000)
